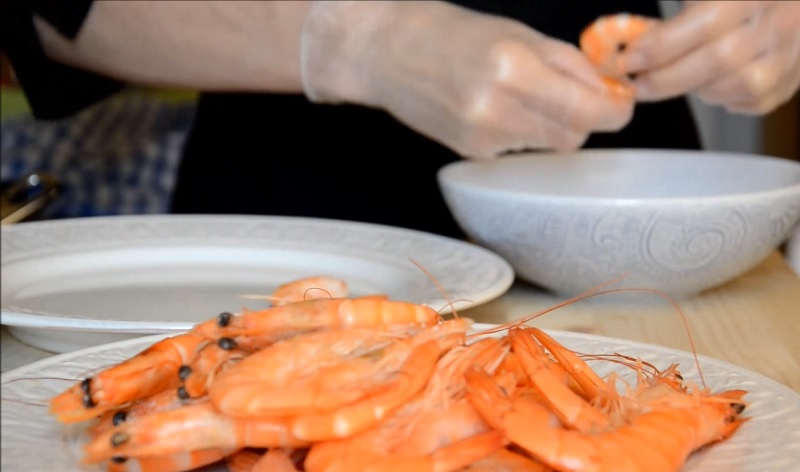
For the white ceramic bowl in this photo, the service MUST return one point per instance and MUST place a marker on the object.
(677, 221)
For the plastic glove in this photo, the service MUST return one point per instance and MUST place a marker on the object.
(742, 55)
(479, 84)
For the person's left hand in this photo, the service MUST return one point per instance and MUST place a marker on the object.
(742, 55)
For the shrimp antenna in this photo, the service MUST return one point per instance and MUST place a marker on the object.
(273, 298)
(438, 286)
(684, 321)
(595, 291)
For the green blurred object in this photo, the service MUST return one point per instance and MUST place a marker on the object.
(14, 104)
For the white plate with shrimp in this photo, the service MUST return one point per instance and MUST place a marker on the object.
(770, 441)
(70, 284)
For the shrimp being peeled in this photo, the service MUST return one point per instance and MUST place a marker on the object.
(603, 43)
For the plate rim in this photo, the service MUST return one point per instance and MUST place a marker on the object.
(21, 317)
(775, 389)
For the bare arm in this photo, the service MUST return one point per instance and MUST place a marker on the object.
(208, 45)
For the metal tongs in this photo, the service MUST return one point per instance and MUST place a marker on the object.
(25, 197)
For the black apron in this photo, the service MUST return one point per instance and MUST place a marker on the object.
(281, 155)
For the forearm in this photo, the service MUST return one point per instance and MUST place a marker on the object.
(207, 45)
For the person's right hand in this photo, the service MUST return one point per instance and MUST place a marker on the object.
(479, 84)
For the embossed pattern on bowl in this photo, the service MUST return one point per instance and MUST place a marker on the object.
(677, 221)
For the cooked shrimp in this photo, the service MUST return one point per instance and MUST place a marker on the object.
(508, 461)
(310, 288)
(324, 370)
(629, 447)
(449, 458)
(165, 400)
(149, 372)
(201, 426)
(197, 376)
(426, 426)
(621, 442)
(570, 407)
(249, 460)
(177, 462)
(257, 329)
(188, 428)
(603, 43)
(372, 385)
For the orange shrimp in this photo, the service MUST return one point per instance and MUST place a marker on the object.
(323, 370)
(367, 412)
(192, 427)
(604, 41)
(165, 400)
(570, 407)
(505, 460)
(421, 431)
(268, 371)
(212, 359)
(249, 460)
(178, 462)
(448, 458)
(680, 427)
(624, 440)
(201, 426)
(310, 288)
(149, 372)
(257, 329)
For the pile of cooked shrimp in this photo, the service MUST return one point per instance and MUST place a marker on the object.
(322, 381)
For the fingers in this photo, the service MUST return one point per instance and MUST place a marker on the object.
(744, 56)
(563, 86)
(720, 58)
(550, 99)
(757, 88)
(529, 130)
(697, 24)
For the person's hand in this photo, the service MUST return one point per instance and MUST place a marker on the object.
(479, 84)
(742, 55)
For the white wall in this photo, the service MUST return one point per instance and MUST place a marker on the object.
(719, 129)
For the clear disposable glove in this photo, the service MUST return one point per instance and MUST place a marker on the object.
(743, 55)
(479, 84)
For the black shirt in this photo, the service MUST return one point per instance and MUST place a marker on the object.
(282, 155)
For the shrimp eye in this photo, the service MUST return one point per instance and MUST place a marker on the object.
(119, 459)
(621, 47)
(226, 343)
(738, 407)
(86, 387)
(223, 319)
(118, 418)
(184, 372)
(182, 393)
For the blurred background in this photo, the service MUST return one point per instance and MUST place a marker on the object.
(120, 156)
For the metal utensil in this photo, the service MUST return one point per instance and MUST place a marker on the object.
(24, 198)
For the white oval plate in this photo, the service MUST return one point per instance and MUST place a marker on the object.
(768, 443)
(70, 284)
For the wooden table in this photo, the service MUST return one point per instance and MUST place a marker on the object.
(753, 321)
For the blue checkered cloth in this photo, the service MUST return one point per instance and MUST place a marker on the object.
(118, 157)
